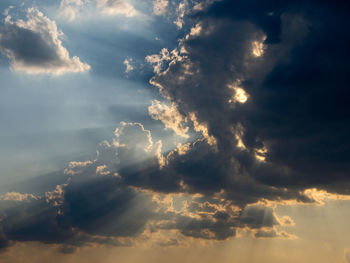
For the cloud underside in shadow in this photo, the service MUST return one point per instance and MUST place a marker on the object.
(34, 46)
(103, 202)
(266, 86)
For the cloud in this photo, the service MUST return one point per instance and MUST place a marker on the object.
(160, 7)
(286, 221)
(157, 60)
(181, 11)
(273, 233)
(4, 243)
(170, 116)
(93, 206)
(110, 200)
(18, 197)
(274, 130)
(70, 9)
(347, 255)
(281, 109)
(203, 5)
(117, 7)
(259, 216)
(320, 196)
(34, 46)
(127, 62)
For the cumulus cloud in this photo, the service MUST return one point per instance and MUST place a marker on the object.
(254, 121)
(34, 46)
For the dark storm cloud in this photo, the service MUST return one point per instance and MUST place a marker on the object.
(33, 222)
(297, 107)
(87, 210)
(101, 207)
(267, 14)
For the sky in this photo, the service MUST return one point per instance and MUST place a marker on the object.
(174, 131)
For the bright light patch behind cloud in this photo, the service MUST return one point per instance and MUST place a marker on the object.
(240, 95)
(258, 47)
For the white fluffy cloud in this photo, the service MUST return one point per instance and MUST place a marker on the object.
(34, 46)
